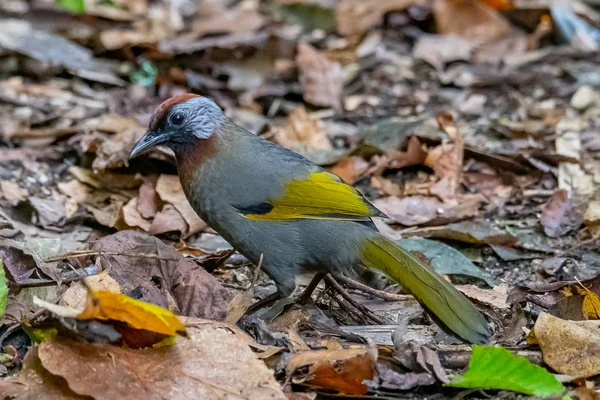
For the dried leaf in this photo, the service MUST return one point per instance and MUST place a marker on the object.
(143, 263)
(342, 370)
(469, 19)
(350, 169)
(132, 217)
(303, 130)
(35, 382)
(321, 79)
(561, 214)
(420, 210)
(569, 347)
(215, 364)
(169, 189)
(168, 220)
(355, 17)
(12, 192)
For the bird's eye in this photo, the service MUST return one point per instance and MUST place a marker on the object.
(177, 119)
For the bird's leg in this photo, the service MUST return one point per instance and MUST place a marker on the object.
(308, 291)
(270, 299)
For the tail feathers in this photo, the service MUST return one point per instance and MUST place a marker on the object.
(436, 294)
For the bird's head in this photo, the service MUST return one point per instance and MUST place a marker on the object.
(179, 122)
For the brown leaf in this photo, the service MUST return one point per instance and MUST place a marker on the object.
(418, 358)
(215, 364)
(355, 17)
(469, 19)
(321, 79)
(477, 231)
(342, 370)
(147, 204)
(420, 210)
(238, 20)
(446, 160)
(439, 50)
(569, 347)
(169, 189)
(12, 192)
(414, 155)
(302, 130)
(350, 169)
(111, 151)
(168, 220)
(35, 382)
(562, 214)
(132, 217)
(144, 264)
(496, 297)
(76, 295)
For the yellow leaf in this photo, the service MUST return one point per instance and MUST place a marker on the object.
(591, 304)
(105, 305)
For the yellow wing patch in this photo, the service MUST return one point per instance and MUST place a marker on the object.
(322, 195)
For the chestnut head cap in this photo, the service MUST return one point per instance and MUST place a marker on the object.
(178, 121)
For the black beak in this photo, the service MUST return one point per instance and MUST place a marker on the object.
(148, 141)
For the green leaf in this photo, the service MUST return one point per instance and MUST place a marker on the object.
(497, 368)
(146, 75)
(74, 6)
(3, 290)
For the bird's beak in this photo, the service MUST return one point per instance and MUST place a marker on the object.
(148, 141)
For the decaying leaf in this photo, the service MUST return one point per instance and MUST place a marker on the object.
(144, 264)
(562, 214)
(569, 347)
(215, 364)
(35, 382)
(321, 79)
(343, 370)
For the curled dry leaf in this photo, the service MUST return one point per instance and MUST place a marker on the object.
(169, 189)
(470, 19)
(343, 370)
(321, 79)
(569, 347)
(143, 263)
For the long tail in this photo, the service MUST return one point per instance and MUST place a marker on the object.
(436, 294)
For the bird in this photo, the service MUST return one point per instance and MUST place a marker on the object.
(289, 215)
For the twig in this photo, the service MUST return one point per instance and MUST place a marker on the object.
(367, 289)
(68, 277)
(339, 289)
